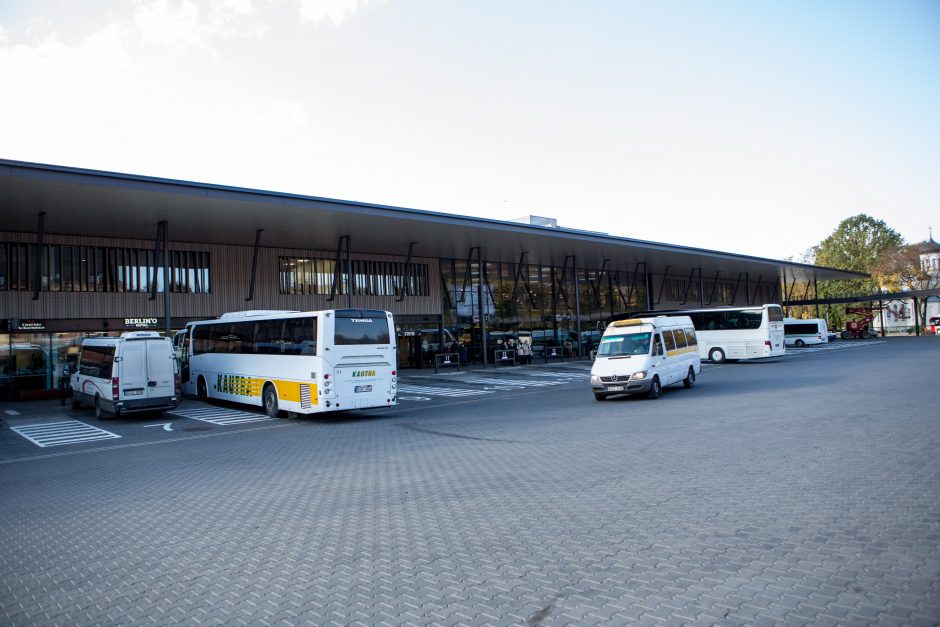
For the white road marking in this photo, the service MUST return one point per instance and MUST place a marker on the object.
(60, 433)
(512, 383)
(220, 416)
(11, 412)
(166, 426)
(434, 391)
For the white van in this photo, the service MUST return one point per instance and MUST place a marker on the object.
(800, 333)
(644, 355)
(132, 373)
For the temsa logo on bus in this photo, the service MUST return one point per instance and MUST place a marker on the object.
(361, 319)
(363, 373)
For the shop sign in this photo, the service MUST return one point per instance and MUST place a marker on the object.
(140, 323)
(18, 324)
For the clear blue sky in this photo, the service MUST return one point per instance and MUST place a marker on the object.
(740, 126)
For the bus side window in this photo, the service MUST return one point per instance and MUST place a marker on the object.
(658, 345)
(670, 340)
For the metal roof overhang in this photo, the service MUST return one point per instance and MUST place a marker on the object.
(106, 204)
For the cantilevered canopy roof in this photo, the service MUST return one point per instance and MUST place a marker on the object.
(95, 203)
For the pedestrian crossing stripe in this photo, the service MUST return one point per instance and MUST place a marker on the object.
(519, 383)
(434, 391)
(60, 433)
(221, 416)
(562, 375)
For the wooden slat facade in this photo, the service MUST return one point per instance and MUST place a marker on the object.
(230, 273)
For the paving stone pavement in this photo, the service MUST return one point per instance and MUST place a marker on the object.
(739, 502)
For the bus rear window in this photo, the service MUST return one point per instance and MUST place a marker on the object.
(365, 330)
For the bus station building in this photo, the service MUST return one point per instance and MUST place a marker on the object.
(86, 252)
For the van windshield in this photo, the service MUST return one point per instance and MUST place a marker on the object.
(628, 344)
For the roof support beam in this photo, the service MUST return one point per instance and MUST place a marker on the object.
(37, 260)
(406, 279)
(254, 265)
(711, 295)
(156, 260)
(596, 285)
(756, 290)
(734, 292)
(523, 259)
(342, 245)
(688, 284)
(662, 285)
(167, 291)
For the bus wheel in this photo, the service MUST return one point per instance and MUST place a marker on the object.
(270, 401)
(600, 396)
(656, 390)
(716, 355)
(799, 343)
(202, 390)
(689, 381)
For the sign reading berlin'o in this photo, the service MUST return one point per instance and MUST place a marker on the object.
(140, 323)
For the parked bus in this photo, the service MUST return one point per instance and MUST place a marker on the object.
(799, 333)
(301, 362)
(731, 332)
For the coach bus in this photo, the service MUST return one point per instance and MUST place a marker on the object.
(731, 332)
(300, 362)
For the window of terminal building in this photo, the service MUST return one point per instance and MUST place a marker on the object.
(70, 268)
(307, 276)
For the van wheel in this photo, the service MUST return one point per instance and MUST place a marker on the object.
(202, 390)
(76, 404)
(600, 396)
(270, 401)
(100, 413)
(689, 381)
(716, 355)
(656, 390)
(799, 343)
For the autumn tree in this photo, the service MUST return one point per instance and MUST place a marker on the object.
(856, 244)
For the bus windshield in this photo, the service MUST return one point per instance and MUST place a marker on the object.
(627, 344)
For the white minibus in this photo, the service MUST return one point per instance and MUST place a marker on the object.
(732, 332)
(136, 372)
(800, 333)
(300, 362)
(643, 355)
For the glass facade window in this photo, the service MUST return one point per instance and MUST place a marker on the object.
(305, 276)
(532, 302)
(68, 268)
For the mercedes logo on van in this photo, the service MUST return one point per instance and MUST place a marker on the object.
(613, 377)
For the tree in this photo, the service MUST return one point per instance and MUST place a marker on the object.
(856, 244)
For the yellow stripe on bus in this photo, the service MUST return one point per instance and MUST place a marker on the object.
(251, 387)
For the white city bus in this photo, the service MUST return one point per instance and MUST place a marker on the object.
(302, 362)
(798, 332)
(732, 332)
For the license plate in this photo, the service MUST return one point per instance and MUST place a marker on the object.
(363, 388)
(615, 388)
(133, 392)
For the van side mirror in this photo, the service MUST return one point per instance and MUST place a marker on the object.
(66, 370)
